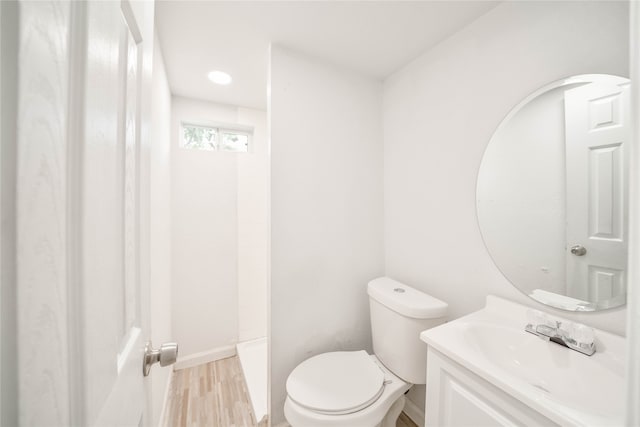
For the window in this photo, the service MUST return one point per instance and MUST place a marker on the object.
(215, 138)
(199, 137)
(234, 141)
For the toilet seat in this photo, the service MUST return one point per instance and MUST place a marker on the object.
(372, 415)
(336, 383)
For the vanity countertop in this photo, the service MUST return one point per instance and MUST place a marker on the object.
(567, 387)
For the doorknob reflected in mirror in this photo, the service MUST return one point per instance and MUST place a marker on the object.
(166, 355)
(578, 250)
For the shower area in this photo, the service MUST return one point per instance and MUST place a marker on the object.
(253, 361)
(219, 187)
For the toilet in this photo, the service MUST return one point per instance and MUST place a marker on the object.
(355, 389)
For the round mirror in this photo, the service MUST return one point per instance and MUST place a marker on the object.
(552, 193)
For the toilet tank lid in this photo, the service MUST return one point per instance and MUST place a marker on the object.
(406, 300)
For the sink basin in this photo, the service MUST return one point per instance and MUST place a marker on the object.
(568, 387)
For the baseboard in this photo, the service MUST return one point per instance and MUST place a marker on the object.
(204, 357)
(414, 412)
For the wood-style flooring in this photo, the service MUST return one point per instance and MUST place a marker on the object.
(405, 421)
(215, 395)
(210, 395)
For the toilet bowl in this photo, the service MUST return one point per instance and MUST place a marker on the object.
(355, 389)
(339, 398)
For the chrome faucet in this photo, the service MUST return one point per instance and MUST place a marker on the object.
(575, 336)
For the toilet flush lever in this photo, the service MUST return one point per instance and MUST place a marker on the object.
(166, 355)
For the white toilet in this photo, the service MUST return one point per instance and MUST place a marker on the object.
(354, 389)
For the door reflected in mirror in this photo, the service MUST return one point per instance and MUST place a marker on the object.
(552, 193)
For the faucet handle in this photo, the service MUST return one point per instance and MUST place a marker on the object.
(583, 334)
(566, 329)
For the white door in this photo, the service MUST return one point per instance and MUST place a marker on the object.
(82, 252)
(597, 136)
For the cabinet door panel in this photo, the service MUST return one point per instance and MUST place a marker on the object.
(457, 397)
(461, 406)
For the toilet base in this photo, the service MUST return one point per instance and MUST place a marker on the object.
(391, 418)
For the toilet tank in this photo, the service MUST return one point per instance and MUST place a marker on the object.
(398, 314)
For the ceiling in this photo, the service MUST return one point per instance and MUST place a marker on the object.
(374, 38)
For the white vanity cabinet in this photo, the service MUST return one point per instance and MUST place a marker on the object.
(458, 397)
(484, 369)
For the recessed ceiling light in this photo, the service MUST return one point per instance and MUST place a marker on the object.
(219, 77)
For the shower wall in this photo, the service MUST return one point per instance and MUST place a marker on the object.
(218, 235)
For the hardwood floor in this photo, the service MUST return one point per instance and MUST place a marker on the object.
(405, 421)
(215, 395)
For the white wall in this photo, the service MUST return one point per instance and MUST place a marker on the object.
(218, 206)
(204, 243)
(252, 229)
(439, 114)
(160, 224)
(326, 211)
